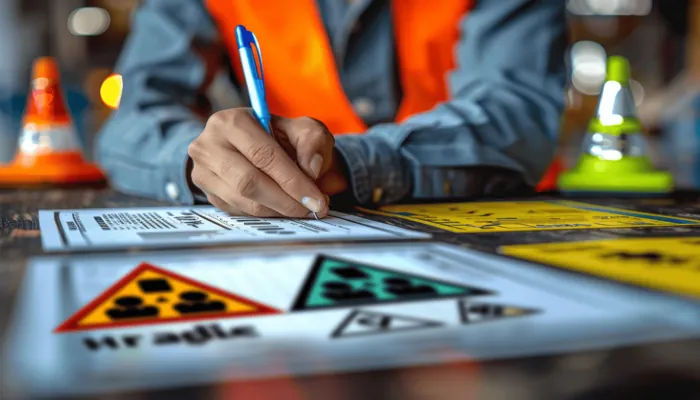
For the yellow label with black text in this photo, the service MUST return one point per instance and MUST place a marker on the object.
(668, 264)
(483, 217)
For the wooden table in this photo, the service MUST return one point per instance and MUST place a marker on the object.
(669, 369)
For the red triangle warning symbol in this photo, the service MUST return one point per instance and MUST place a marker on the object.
(152, 295)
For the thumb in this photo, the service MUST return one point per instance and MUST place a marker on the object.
(312, 142)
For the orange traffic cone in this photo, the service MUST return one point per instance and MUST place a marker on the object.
(48, 150)
(548, 183)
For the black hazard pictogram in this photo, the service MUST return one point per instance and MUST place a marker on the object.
(651, 257)
(129, 307)
(194, 301)
(158, 285)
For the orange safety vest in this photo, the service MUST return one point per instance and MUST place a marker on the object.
(301, 75)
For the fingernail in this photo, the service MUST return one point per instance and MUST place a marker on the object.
(315, 164)
(312, 204)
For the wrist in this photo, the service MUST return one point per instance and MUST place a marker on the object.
(340, 167)
(342, 196)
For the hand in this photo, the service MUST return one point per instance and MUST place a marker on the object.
(244, 170)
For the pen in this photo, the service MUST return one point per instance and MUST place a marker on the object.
(254, 77)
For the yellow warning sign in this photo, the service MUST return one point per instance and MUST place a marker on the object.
(668, 264)
(151, 295)
(481, 217)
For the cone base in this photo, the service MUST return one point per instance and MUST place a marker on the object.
(585, 194)
(629, 174)
(55, 168)
(648, 182)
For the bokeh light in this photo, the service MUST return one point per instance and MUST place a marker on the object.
(588, 62)
(88, 21)
(609, 7)
(111, 91)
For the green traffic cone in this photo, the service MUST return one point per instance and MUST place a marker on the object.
(614, 158)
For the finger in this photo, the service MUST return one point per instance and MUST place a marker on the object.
(220, 196)
(244, 180)
(265, 154)
(311, 140)
(245, 206)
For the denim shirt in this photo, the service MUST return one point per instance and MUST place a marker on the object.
(497, 130)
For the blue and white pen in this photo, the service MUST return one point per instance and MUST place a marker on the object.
(254, 77)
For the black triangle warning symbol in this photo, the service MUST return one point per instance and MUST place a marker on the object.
(334, 282)
(362, 323)
(473, 312)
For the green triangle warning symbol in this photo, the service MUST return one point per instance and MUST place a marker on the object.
(334, 282)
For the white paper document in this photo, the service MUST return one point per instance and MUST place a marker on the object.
(65, 230)
(94, 323)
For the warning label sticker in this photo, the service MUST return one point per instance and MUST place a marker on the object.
(668, 264)
(151, 295)
(480, 217)
(363, 323)
(476, 311)
(334, 282)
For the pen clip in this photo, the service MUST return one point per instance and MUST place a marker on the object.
(258, 56)
(247, 39)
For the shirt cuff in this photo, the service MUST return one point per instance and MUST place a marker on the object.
(377, 173)
(177, 188)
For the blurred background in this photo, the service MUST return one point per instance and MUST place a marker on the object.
(661, 38)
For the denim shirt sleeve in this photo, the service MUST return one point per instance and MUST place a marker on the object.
(506, 100)
(143, 145)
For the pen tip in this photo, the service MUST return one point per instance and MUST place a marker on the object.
(315, 216)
